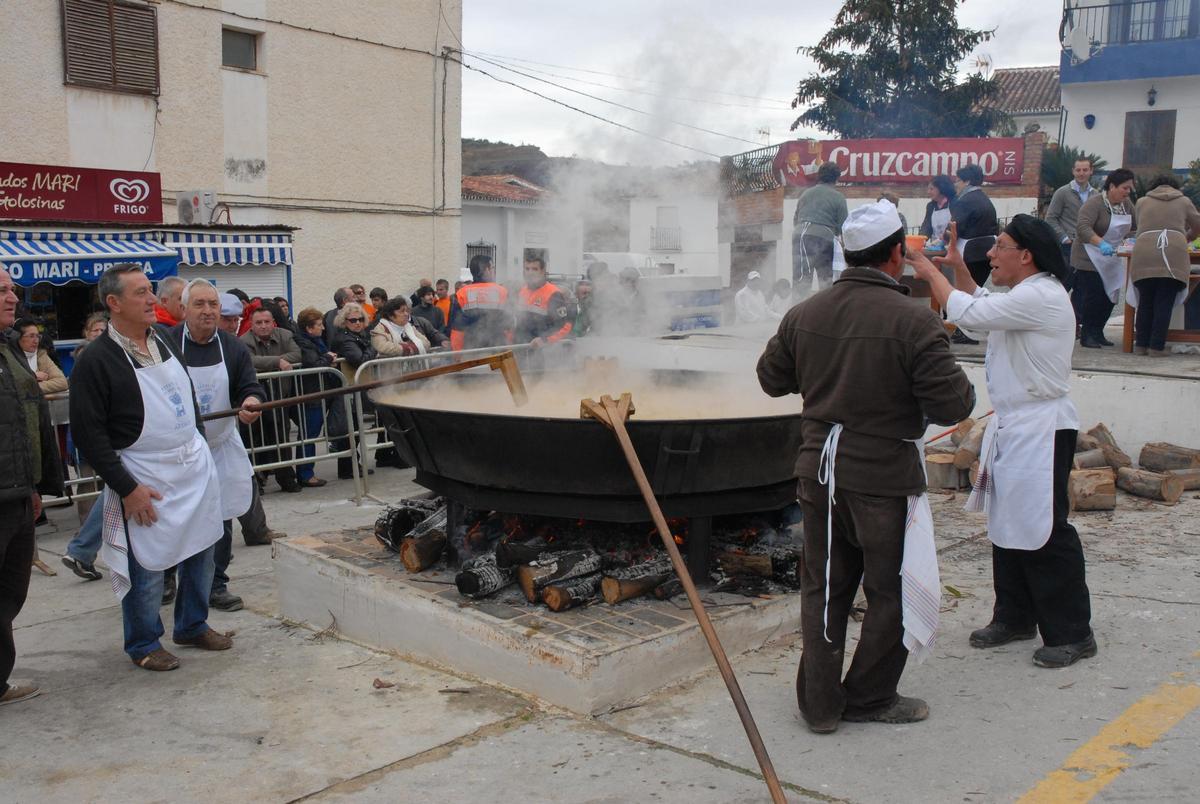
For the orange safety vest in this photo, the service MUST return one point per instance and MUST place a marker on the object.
(480, 317)
(536, 319)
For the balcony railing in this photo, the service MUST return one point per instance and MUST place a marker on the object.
(1121, 23)
(666, 238)
(749, 172)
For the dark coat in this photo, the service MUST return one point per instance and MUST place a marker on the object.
(313, 354)
(864, 354)
(29, 458)
(975, 215)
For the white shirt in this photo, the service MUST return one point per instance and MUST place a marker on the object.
(750, 307)
(780, 304)
(1031, 337)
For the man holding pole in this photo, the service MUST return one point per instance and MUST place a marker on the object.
(873, 367)
(1029, 446)
(135, 419)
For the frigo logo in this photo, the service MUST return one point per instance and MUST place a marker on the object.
(131, 191)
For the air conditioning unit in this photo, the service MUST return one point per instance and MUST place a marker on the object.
(196, 206)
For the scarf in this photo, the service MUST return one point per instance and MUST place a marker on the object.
(407, 333)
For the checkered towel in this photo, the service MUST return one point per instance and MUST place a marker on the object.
(115, 548)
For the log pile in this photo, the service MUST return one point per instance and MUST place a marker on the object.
(1159, 456)
(1113, 455)
(1151, 485)
(552, 569)
(1093, 489)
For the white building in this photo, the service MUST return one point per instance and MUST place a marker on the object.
(1031, 97)
(677, 227)
(339, 118)
(1130, 76)
(511, 220)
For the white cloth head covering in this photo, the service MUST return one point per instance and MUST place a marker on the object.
(870, 224)
(753, 275)
(230, 304)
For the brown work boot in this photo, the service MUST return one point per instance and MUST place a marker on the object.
(158, 660)
(19, 692)
(904, 710)
(266, 537)
(209, 640)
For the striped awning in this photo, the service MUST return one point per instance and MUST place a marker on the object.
(229, 248)
(32, 256)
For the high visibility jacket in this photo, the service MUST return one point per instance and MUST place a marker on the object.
(479, 317)
(444, 306)
(544, 313)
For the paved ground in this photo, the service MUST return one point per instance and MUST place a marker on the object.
(289, 714)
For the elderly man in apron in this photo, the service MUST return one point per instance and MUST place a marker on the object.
(136, 421)
(873, 367)
(1025, 464)
(224, 378)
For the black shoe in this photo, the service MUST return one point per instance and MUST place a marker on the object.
(1089, 342)
(995, 634)
(169, 589)
(1065, 655)
(86, 571)
(1104, 341)
(41, 519)
(291, 488)
(959, 337)
(225, 601)
(904, 710)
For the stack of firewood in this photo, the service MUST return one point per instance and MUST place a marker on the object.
(1164, 471)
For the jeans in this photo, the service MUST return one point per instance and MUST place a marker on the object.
(86, 544)
(314, 421)
(16, 561)
(140, 606)
(1156, 302)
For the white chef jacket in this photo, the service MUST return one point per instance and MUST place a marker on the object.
(750, 307)
(1031, 335)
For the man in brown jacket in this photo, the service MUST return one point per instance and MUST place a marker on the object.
(273, 349)
(874, 368)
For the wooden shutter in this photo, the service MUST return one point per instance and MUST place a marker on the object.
(110, 44)
(1149, 140)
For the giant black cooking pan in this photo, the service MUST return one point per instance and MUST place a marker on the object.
(574, 467)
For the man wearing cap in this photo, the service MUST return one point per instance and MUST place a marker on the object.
(750, 303)
(1025, 463)
(874, 367)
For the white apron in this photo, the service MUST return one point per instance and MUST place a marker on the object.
(939, 222)
(1015, 484)
(1131, 293)
(920, 581)
(1111, 269)
(170, 457)
(224, 440)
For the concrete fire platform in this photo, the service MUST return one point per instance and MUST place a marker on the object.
(588, 660)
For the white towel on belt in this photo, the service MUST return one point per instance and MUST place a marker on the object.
(920, 582)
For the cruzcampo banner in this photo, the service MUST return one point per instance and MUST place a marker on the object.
(901, 161)
(55, 193)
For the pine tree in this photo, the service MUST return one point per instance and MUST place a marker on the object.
(887, 68)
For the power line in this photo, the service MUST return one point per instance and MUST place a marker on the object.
(784, 107)
(587, 113)
(615, 103)
(623, 77)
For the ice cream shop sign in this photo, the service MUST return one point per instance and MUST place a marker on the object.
(46, 192)
(902, 160)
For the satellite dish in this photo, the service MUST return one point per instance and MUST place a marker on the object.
(1079, 43)
(983, 63)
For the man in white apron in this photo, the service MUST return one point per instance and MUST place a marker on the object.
(135, 419)
(1025, 464)
(224, 378)
(873, 366)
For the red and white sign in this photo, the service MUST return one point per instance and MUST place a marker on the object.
(48, 192)
(905, 161)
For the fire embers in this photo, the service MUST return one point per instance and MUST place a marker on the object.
(563, 563)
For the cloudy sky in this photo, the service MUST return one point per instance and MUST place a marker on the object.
(728, 67)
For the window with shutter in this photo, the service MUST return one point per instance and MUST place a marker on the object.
(110, 44)
(1149, 140)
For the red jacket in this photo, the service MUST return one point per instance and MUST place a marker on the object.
(163, 317)
(544, 313)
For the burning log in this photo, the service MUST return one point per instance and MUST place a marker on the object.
(397, 522)
(1092, 459)
(481, 577)
(555, 568)
(969, 447)
(1159, 456)
(1093, 489)
(562, 596)
(668, 589)
(425, 544)
(1190, 477)
(640, 579)
(779, 564)
(1152, 486)
(512, 553)
(1116, 458)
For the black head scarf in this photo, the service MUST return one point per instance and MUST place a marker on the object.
(1036, 236)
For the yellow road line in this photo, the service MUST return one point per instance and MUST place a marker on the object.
(1097, 763)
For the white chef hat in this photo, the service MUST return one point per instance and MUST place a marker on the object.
(870, 224)
(230, 304)
(753, 275)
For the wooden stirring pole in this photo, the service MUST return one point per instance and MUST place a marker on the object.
(612, 414)
(504, 362)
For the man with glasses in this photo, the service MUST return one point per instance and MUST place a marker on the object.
(1025, 463)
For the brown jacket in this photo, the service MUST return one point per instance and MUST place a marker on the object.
(1164, 209)
(1094, 219)
(864, 354)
